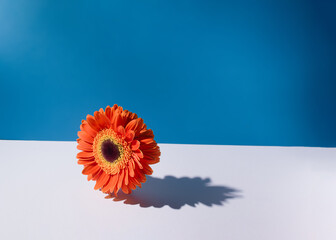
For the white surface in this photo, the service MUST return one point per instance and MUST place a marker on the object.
(281, 194)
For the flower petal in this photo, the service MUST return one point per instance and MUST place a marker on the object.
(92, 122)
(145, 133)
(107, 186)
(135, 145)
(108, 112)
(152, 153)
(137, 160)
(150, 161)
(121, 130)
(131, 170)
(116, 120)
(131, 185)
(129, 136)
(136, 125)
(113, 182)
(147, 169)
(87, 155)
(85, 161)
(102, 120)
(86, 137)
(97, 174)
(128, 116)
(121, 178)
(101, 180)
(90, 169)
(135, 181)
(139, 175)
(125, 189)
(151, 145)
(139, 153)
(126, 176)
(82, 145)
(147, 140)
(86, 128)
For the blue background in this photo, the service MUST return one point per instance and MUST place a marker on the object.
(198, 71)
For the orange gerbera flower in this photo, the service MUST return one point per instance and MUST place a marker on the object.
(116, 150)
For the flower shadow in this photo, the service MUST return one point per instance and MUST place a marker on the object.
(177, 192)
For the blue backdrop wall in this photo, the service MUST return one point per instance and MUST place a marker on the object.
(198, 71)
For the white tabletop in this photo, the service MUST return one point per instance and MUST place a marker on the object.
(196, 192)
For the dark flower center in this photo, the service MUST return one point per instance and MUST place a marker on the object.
(110, 151)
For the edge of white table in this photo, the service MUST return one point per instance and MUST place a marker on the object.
(195, 192)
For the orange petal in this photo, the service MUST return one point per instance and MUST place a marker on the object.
(131, 185)
(107, 182)
(116, 190)
(86, 155)
(121, 130)
(108, 112)
(147, 140)
(148, 170)
(90, 169)
(102, 120)
(84, 144)
(92, 122)
(150, 146)
(84, 148)
(145, 133)
(132, 162)
(136, 159)
(135, 181)
(121, 178)
(86, 128)
(116, 120)
(136, 125)
(131, 170)
(150, 161)
(113, 182)
(89, 177)
(106, 119)
(101, 180)
(85, 161)
(126, 176)
(107, 186)
(94, 176)
(97, 174)
(139, 175)
(151, 156)
(128, 116)
(129, 136)
(113, 110)
(125, 189)
(135, 145)
(86, 137)
(139, 153)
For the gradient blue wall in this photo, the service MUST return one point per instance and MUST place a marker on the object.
(205, 71)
